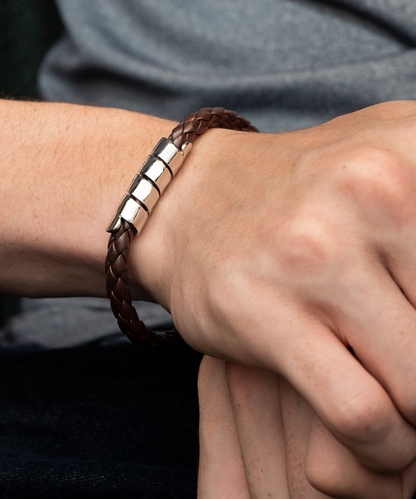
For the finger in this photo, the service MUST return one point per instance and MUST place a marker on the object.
(366, 306)
(328, 465)
(382, 331)
(332, 469)
(221, 471)
(409, 482)
(255, 401)
(297, 417)
(275, 331)
(351, 403)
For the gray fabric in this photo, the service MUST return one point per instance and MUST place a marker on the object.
(284, 64)
(67, 322)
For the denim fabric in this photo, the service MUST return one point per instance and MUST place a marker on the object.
(96, 422)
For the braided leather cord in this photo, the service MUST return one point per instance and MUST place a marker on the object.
(119, 244)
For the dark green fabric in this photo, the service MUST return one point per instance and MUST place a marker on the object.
(27, 30)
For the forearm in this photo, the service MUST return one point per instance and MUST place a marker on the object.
(275, 251)
(64, 169)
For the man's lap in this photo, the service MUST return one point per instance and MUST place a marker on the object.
(94, 420)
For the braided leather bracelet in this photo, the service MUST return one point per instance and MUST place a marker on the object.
(156, 173)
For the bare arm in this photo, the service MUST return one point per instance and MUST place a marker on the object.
(63, 172)
(275, 251)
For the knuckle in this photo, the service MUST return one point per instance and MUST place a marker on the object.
(377, 178)
(363, 419)
(308, 244)
(326, 476)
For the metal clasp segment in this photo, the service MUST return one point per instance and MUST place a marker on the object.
(171, 155)
(131, 211)
(147, 187)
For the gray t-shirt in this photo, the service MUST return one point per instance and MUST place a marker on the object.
(283, 64)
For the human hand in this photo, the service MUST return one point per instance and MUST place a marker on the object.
(260, 438)
(283, 251)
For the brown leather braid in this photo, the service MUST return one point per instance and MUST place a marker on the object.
(118, 247)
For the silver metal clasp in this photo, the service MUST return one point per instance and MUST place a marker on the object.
(131, 211)
(144, 192)
(171, 155)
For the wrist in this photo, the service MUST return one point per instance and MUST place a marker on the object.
(175, 229)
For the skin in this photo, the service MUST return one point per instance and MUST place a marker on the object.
(260, 439)
(281, 252)
(64, 170)
(305, 252)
